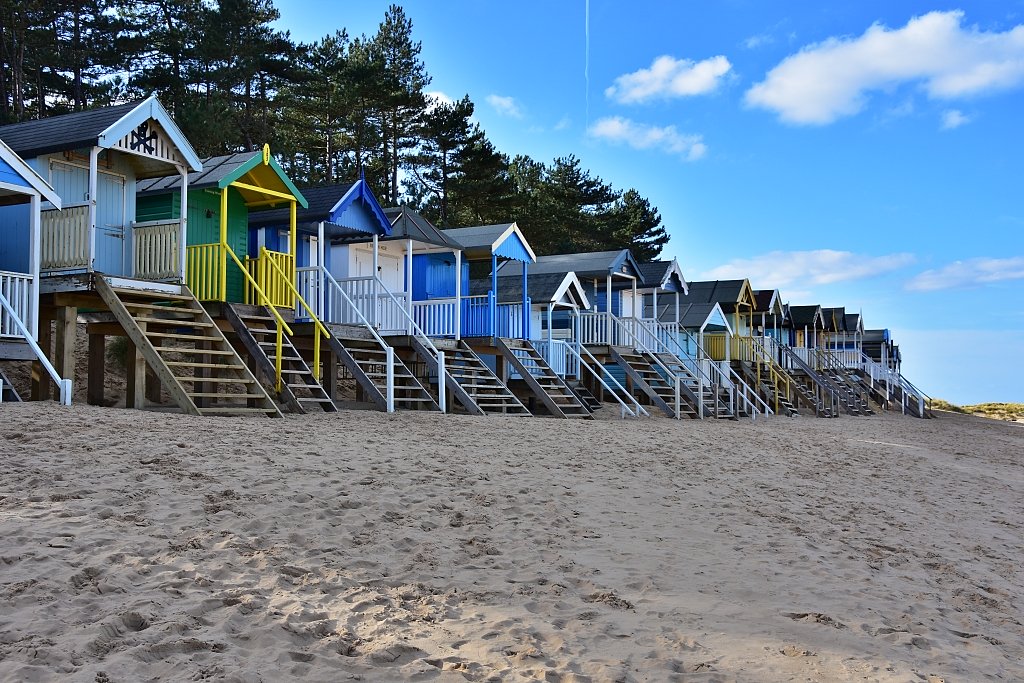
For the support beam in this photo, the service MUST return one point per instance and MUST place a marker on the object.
(183, 223)
(94, 155)
(67, 327)
(526, 303)
(135, 394)
(97, 370)
(458, 294)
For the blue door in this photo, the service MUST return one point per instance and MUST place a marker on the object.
(72, 184)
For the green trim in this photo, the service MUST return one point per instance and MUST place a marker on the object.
(257, 160)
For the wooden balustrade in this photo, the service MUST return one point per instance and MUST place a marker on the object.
(156, 250)
(65, 243)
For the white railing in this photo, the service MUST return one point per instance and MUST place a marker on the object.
(64, 238)
(383, 311)
(557, 356)
(156, 250)
(600, 329)
(606, 379)
(436, 317)
(17, 289)
(7, 310)
(889, 378)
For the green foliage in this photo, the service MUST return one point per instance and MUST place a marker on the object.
(118, 351)
(330, 109)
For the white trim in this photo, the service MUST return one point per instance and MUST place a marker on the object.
(29, 175)
(150, 108)
(513, 228)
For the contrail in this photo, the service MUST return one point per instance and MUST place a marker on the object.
(586, 65)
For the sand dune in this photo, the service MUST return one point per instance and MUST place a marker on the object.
(139, 547)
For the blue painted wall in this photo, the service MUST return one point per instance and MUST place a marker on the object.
(10, 176)
(513, 248)
(357, 215)
(14, 237)
(433, 276)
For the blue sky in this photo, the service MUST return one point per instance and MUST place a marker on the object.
(860, 154)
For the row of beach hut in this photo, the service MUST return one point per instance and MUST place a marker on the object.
(238, 292)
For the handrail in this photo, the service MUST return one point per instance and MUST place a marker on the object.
(668, 373)
(282, 326)
(774, 368)
(63, 384)
(893, 376)
(818, 381)
(639, 408)
(319, 325)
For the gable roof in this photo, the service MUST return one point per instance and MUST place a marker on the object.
(542, 288)
(768, 301)
(34, 181)
(659, 274)
(328, 204)
(698, 316)
(255, 167)
(728, 293)
(805, 316)
(503, 239)
(854, 322)
(835, 319)
(594, 264)
(406, 223)
(102, 127)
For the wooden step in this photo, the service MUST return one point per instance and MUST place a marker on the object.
(123, 293)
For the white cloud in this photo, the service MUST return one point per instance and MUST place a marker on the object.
(970, 273)
(754, 42)
(506, 106)
(436, 97)
(778, 269)
(563, 123)
(669, 77)
(829, 80)
(954, 118)
(618, 130)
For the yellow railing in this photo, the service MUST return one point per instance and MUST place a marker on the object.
(714, 346)
(275, 273)
(320, 329)
(747, 349)
(203, 272)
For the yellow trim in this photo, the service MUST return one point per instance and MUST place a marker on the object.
(316, 321)
(262, 190)
(223, 244)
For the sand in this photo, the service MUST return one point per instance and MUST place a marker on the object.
(142, 547)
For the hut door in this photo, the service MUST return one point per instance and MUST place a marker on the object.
(72, 183)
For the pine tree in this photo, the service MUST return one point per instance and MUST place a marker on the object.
(632, 223)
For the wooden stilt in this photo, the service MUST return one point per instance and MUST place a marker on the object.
(97, 369)
(40, 379)
(135, 396)
(152, 386)
(65, 333)
(330, 379)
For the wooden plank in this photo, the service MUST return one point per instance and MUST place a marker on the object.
(637, 381)
(66, 332)
(529, 379)
(264, 364)
(97, 370)
(135, 394)
(40, 378)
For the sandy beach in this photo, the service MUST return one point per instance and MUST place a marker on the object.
(362, 546)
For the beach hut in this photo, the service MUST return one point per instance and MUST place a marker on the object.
(22, 195)
(96, 254)
(247, 281)
(736, 299)
(351, 268)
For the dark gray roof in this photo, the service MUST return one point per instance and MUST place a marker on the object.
(652, 274)
(836, 317)
(852, 322)
(539, 287)
(722, 292)
(592, 264)
(214, 169)
(407, 223)
(478, 236)
(803, 316)
(67, 131)
(321, 200)
(763, 297)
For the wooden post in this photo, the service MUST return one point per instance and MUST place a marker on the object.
(223, 284)
(97, 369)
(458, 293)
(40, 379)
(152, 386)
(67, 327)
(329, 381)
(135, 396)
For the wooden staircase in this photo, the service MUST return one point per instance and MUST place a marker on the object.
(646, 377)
(544, 382)
(850, 391)
(767, 390)
(186, 350)
(583, 394)
(366, 361)
(7, 391)
(256, 328)
(469, 379)
(714, 405)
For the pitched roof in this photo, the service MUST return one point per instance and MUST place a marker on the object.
(34, 181)
(102, 127)
(214, 169)
(588, 265)
(481, 241)
(406, 223)
(725, 292)
(835, 318)
(658, 274)
(804, 316)
(853, 322)
(66, 131)
(541, 288)
(764, 299)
